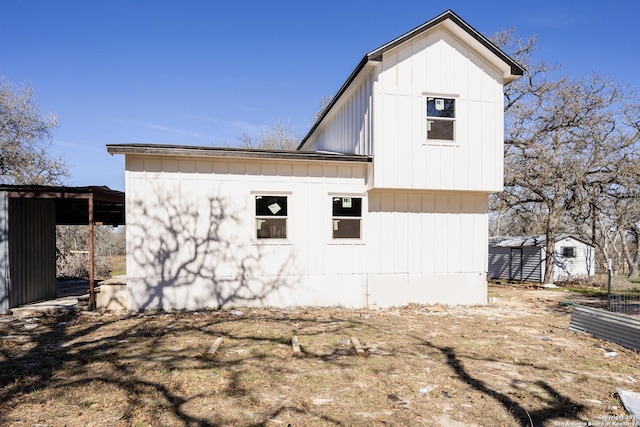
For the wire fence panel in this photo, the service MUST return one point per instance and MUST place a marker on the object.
(623, 296)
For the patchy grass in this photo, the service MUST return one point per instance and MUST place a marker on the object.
(510, 363)
(118, 265)
(592, 292)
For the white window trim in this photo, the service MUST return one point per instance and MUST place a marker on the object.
(439, 142)
(254, 217)
(348, 241)
(575, 251)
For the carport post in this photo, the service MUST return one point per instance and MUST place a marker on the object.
(92, 291)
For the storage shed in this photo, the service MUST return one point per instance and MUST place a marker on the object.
(523, 258)
(28, 219)
(384, 202)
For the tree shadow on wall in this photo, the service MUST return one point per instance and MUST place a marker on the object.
(202, 255)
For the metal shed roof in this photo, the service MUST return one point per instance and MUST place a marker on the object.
(527, 241)
(72, 207)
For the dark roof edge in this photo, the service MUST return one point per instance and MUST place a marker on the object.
(516, 69)
(102, 193)
(376, 55)
(246, 153)
(335, 99)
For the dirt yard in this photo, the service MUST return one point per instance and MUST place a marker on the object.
(513, 362)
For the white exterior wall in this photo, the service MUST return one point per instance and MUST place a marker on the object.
(191, 234)
(437, 63)
(347, 129)
(191, 238)
(583, 264)
(426, 247)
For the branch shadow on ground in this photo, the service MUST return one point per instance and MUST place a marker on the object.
(146, 359)
(557, 404)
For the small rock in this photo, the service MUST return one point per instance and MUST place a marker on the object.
(427, 389)
(236, 312)
(396, 399)
(610, 354)
(318, 401)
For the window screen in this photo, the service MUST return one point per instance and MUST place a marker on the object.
(271, 217)
(346, 217)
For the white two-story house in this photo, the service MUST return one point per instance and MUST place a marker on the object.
(384, 202)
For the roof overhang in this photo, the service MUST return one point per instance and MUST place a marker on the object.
(467, 33)
(72, 203)
(230, 152)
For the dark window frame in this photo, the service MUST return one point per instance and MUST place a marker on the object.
(440, 118)
(346, 210)
(569, 252)
(272, 211)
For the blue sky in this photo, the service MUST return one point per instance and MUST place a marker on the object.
(202, 72)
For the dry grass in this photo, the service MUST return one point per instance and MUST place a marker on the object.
(511, 363)
(118, 265)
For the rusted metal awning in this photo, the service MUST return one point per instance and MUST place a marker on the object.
(78, 206)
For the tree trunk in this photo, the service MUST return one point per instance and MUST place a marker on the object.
(550, 259)
(632, 260)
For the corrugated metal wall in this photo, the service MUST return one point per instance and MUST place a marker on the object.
(515, 263)
(5, 279)
(32, 250)
(532, 264)
(615, 327)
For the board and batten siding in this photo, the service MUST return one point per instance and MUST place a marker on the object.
(191, 237)
(437, 64)
(191, 233)
(347, 129)
(426, 247)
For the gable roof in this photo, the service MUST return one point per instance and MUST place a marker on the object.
(528, 241)
(376, 56)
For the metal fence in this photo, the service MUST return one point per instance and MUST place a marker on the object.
(623, 296)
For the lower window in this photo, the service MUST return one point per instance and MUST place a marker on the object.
(271, 217)
(346, 217)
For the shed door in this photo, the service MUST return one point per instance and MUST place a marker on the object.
(515, 268)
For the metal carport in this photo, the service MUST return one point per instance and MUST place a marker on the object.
(28, 216)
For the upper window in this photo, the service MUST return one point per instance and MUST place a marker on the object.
(569, 251)
(441, 117)
(271, 217)
(346, 217)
